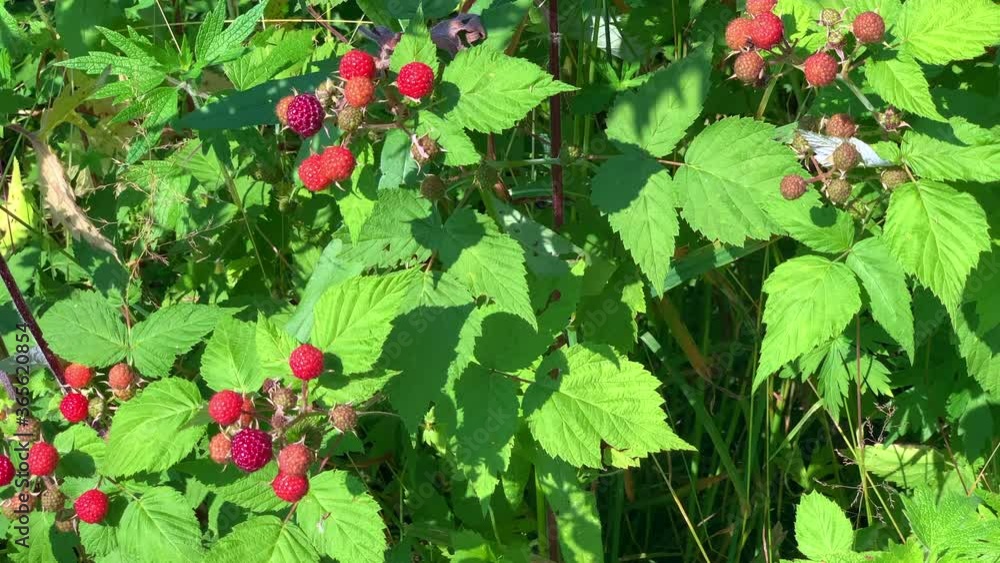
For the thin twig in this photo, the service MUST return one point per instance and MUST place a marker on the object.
(316, 16)
(29, 320)
(555, 109)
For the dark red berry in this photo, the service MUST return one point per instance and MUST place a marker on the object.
(251, 449)
(305, 115)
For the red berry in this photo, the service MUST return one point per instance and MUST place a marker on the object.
(219, 448)
(306, 362)
(738, 34)
(766, 30)
(6, 471)
(841, 125)
(251, 449)
(290, 488)
(294, 459)
(120, 376)
(281, 109)
(749, 67)
(312, 174)
(758, 7)
(225, 407)
(357, 63)
(337, 163)
(74, 407)
(248, 412)
(77, 376)
(415, 80)
(821, 69)
(91, 506)
(868, 27)
(305, 115)
(793, 186)
(42, 459)
(359, 92)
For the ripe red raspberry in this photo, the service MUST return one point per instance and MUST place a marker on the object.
(758, 7)
(294, 459)
(357, 63)
(290, 488)
(219, 448)
(91, 506)
(305, 115)
(338, 163)
(42, 459)
(415, 80)
(766, 30)
(6, 471)
(121, 376)
(281, 109)
(251, 449)
(846, 157)
(738, 34)
(312, 173)
(793, 186)
(74, 407)
(306, 362)
(359, 92)
(841, 125)
(820, 69)
(77, 376)
(749, 67)
(868, 27)
(225, 407)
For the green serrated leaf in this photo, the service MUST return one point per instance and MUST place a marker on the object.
(821, 528)
(454, 142)
(169, 332)
(160, 526)
(941, 31)
(387, 238)
(584, 395)
(263, 539)
(230, 358)
(332, 269)
(85, 329)
(415, 46)
(733, 169)
(150, 432)
(937, 234)
(343, 519)
(901, 82)
(488, 91)
(397, 165)
(885, 283)
(656, 116)
(934, 159)
(574, 507)
(810, 300)
(226, 44)
(639, 198)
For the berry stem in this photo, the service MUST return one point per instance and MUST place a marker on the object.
(29, 320)
(857, 93)
(555, 111)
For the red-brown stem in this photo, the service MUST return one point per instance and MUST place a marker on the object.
(29, 320)
(319, 19)
(467, 6)
(555, 109)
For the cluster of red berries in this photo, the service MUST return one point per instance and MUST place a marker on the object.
(762, 30)
(76, 406)
(250, 448)
(305, 113)
(41, 463)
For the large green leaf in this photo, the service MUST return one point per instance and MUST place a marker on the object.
(85, 329)
(656, 116)
(353, 319)
(574, 507)
(584, 395)
(263, 539)
(160, 526)
(732, 174)
(343, 519)
(937, 234)
(331, 269)
(934, 159)
(639, 198)
(167, 333)
(230, 358)
(810, 300)
(885, 282)
(488, 91)
(151, 432)
(822, 531)
(901, 82)
(214, 44)
(940, 31)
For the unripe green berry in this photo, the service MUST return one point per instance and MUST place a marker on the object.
(894, 177)
(433, 188)
(349, 119)
(839, 191)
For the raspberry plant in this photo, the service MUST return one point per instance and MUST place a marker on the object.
(500, 280)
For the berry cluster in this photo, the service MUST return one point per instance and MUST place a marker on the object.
(84, 400)
(246, 445)
(760, 30)
(347, 98)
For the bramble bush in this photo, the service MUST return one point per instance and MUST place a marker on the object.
(500, 280)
